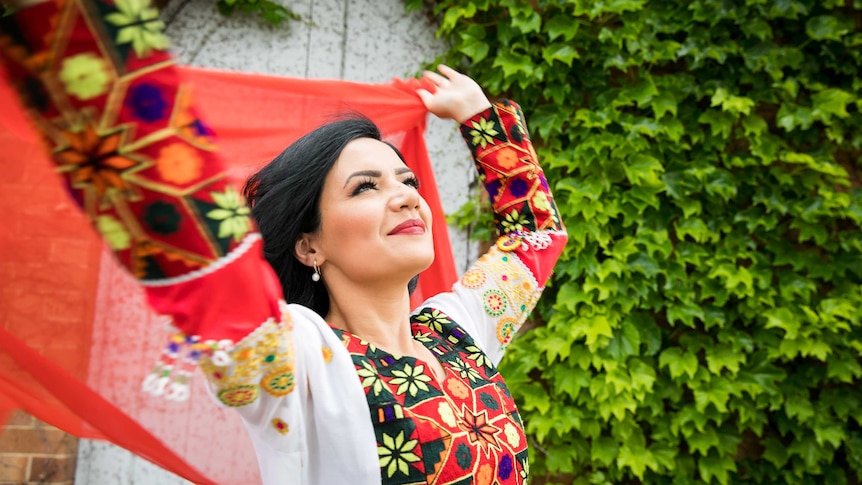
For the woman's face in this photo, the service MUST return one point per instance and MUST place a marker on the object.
(374, 224)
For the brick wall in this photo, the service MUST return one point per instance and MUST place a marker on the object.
(32, 452)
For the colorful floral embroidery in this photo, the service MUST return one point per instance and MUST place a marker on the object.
(410, 380)
(457, 389)
(85, 76)
(473, 278)
(512, 435)
(508, 242)
(232, 212)
(507, 157)
(93, 159)
(444, 409)
(483, 132)
(263, 359)
(506, 328)
(465, 370)
(327, 354)
(161, 217)
(514, 222)
(463, 456)
(370, 378)
(433, 319)
(114, 232)
(455, 422)
(479, 431)
(279, 382)
(495, 302)
(179, 163)
(147, 102)
(280, 425)
(138, 24)
(396, 454)
(238, 396)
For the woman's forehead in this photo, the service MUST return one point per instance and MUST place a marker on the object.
(367, 154)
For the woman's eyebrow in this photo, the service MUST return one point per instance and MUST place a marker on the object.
(363, 173)
(375, 173)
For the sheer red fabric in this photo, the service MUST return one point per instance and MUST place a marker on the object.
(76, 337)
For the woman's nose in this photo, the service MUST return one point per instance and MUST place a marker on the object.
(406, 197)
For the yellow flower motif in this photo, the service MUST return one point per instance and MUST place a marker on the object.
(512, 435)
(85, 76)
(370, 378)
(514, 221)
(410, 380)
(540, 201)
(433, 320)
(396, 454)
(138, 24)
(464, 370)
(446, 414)
(113, 232)
(232, 212)
(483, 132)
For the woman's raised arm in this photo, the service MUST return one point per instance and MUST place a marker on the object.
(495, 296)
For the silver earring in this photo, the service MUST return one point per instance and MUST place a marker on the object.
(316, 275)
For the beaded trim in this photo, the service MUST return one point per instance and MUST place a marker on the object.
(236, 370)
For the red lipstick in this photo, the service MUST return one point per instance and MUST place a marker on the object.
(410, 226)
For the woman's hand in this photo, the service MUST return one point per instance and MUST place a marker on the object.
(457, 96)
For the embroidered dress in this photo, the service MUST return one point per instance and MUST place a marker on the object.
(320, 405)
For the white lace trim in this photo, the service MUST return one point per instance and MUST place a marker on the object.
(229, 258)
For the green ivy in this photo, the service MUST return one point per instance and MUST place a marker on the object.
(705, 322)
(268, 11)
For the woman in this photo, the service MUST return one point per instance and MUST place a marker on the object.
(344, 384)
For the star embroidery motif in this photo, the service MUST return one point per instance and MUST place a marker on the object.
(479, 430)
(94, 159)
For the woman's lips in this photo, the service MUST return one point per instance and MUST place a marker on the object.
(410, 226)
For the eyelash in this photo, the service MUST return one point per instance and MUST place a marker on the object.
(369, 183)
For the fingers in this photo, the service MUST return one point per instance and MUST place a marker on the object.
(435, 78)
(448, 71)
(425, 96)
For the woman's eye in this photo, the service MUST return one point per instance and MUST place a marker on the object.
(364, 186)
(412, 181)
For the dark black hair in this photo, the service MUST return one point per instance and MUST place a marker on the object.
(285, 201)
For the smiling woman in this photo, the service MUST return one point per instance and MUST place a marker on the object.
(343, 382)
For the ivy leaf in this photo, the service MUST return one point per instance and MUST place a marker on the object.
(827, 27)
(643, 169)
(831, 102)
(638, 459)
(784, 319)
(625, 342)
(513, 63)
(723, 356)
(604, 450)
(559, 52)
(718, 467)
(561, 25)
(678, 363)
(663, 102)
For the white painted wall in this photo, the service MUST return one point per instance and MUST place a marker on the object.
(354, 40)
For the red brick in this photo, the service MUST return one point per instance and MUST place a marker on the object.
(36, 440)
(20, 418)
(13, 469)
(53, 469)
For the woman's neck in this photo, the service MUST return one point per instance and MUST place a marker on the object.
(378, 314)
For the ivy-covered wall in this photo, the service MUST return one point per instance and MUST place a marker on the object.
(705, 323)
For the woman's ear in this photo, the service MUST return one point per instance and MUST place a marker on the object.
(305, 252)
